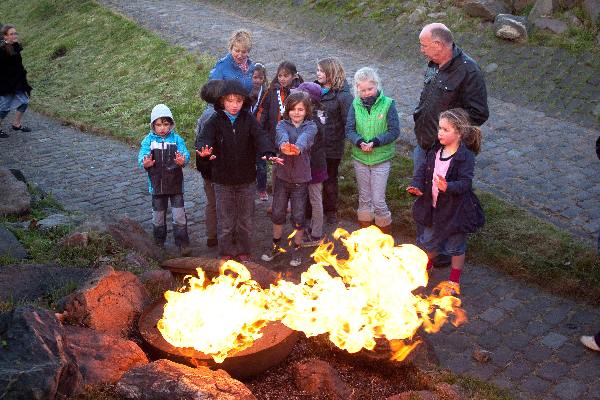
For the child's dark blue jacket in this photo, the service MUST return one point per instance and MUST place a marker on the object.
(458, 210)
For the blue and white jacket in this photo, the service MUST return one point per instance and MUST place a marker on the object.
(165, 176)
(227, 70)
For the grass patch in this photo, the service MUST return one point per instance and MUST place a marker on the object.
(101, 71)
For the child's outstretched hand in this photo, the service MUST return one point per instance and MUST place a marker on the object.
(275, 160)
(414, 191)
(441, 182)
(289, 149)
(179, 159)
(205, 152)
(148, 161)
(366, 147)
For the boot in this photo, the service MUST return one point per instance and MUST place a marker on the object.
(160, 235)
(182, 240)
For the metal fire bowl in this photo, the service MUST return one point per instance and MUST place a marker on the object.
(271, 349)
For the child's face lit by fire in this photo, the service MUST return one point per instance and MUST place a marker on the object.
(232, 103)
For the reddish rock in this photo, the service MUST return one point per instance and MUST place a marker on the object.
(317, 377)
(188, 265)
(75, 239)
(448, 391)
(482, 356)
(102, 358)
(166, 380)
(109, 302)
(415, 395)
(158, 281)
(130, 234)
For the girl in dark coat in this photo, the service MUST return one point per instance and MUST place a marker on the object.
(336, 100)
(446, 208)
(14, 89)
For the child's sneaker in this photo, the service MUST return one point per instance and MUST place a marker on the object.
(590, 343)
(3, 134)
(310, 241)
(296, 260)
(275, 251)
(263, 196)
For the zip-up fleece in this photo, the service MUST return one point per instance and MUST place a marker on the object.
(235, 147)
(296, 169)
(372, 126)
(165, 176)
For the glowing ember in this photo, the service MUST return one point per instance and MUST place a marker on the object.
(372, 297)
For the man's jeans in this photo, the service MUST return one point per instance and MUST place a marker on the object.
(235, 217)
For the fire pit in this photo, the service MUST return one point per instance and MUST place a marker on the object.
(274, 346)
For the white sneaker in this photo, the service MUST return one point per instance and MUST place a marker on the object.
(273, 253)
(590, 343)
(296, 260)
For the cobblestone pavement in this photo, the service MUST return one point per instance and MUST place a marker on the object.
(533, 336)
(541, 163)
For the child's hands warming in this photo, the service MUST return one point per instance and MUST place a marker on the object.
(441, 182)
(289, 149)
(366, 147)
(179, 159)
(275, 160)
(148, 161)
(205, 152)
(414, 191)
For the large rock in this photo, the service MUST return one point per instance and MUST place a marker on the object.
(10, 246)
(318, 378)
(166, 380)
(109, 302)
(543, 8)
(53, 221)
(511, 27)
(592, 10)
(129, 234)
(15, 199)
(486, 9)
(35, 362)
(31, 282)
(102, 358)
(551, 25)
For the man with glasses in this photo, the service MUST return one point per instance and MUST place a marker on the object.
(452, 79)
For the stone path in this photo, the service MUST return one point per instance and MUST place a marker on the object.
(543, 164)
(533, 336)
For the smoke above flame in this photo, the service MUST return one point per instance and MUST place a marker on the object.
(370, 296)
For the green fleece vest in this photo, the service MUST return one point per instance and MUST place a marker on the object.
(371, 125)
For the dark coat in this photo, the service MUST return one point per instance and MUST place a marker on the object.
(335, 105)
(235, 147)
(459, 83)
(13, 76)
(268, 114)
(458, 210)
(317, 152)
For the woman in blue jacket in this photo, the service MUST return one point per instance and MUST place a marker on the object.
(236, 66)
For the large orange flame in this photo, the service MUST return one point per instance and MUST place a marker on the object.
(371, 296)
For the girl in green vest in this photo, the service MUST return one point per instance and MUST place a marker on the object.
(372, 127)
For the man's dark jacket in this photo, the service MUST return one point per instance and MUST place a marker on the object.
(235, 147)
(459, 83)
(13, 76)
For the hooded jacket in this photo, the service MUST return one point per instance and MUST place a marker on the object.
(457, 210)
(296, 169)
(235, 146)
(458, 84)
(335, 105)
(227, 69)
(13, 76)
